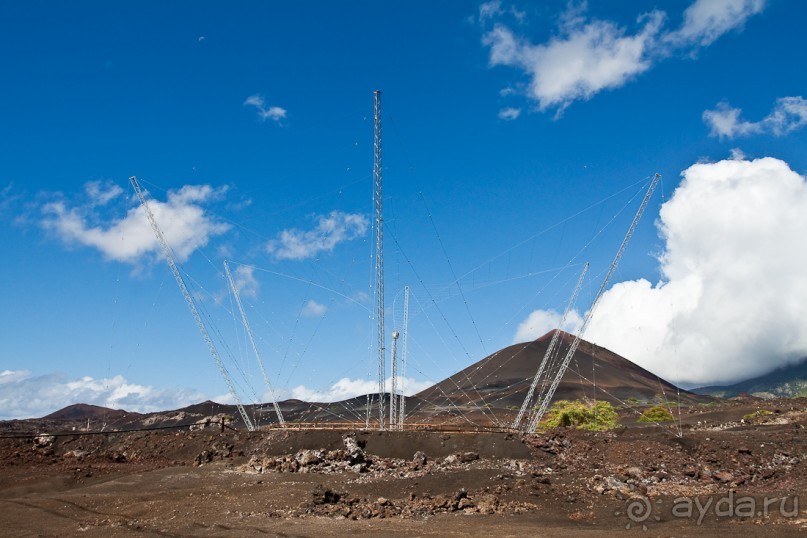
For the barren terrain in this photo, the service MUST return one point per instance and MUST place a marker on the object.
(324, 482)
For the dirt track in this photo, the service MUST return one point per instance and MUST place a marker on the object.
(313, 483)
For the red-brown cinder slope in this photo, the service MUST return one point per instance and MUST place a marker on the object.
(502, 379)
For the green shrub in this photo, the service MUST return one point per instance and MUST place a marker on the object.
(657, 413)
(756, 414)
(582, 415)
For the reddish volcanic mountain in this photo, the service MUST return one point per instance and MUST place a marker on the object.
(502, 379)
(86, 411)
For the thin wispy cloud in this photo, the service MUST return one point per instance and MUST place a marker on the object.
(182, 219)
(313, 309)
(496, 8)
(274, 113)
(330, 230)
(706, 20)
(588, 56)
(10, 202)
(509, 113)
(488, 10)
(788, 114)
(361, 297)
(245, 281)
(101, 193)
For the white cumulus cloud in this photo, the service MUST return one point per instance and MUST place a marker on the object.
(26, 396)
(347, 388)
(540, 322)
(330, 230)
(274, 113)
(732, 300)
(586, 56)
(181, 218)
(788, 114)
(583, 60)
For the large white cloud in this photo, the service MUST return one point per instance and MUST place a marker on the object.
(26, 396)
(330, 230)
(182, 219)
(788, 114)
(588, 56)
(733, 298)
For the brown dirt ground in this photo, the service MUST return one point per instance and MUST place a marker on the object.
(299, 483)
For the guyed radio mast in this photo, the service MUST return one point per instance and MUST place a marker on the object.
(169, 258)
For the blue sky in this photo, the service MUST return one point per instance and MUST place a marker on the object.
(515, 135)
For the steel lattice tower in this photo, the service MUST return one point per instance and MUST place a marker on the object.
(169, 258)
(379, 252)
(393, 398)
(402, 398)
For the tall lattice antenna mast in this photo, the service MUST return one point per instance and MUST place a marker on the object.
(393, 393)
(402, 404)
(379, 253)
(550, 350)
(169, 257)
(237, 296)
(573, 348)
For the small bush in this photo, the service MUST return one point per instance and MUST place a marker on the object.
(582, 415)
(656, 413)
(756, 414)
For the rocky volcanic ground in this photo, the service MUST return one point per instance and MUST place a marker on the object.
(724, 474)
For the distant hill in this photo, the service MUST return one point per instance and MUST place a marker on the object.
(490, 390)
(788, 382)
(502, 379)
(87, 411)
